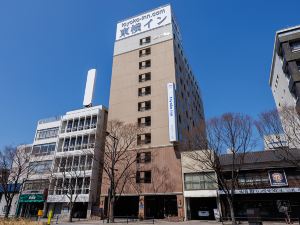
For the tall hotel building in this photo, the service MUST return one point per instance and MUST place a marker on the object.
(153, 85)
(285, 71)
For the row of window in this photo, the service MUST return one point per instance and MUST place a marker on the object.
(145, 105)
(46, 133)
(199, 181)
(88, 122)
(65, 186)
(73, 163)
(40, 167)
(36, 185)
(44, 149)
(77, 143)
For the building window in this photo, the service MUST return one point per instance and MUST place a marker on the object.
(44, 149)
(144, 52)
(94, 122)
(145, 40)
(144, 91)
(144, 139)
(46, 133)
(295, 46)
(69, 126)
(175, 60)
(253, 180)
(40, 167)
(36, 185)
(143, 106)
(143, 157)
(144, 77)
(145, 64)
(200, 181)
(144, 121)
(143, 177)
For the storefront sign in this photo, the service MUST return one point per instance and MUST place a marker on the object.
(265, 191)
(173, 136)
(31, 198)
(277, 178)
(144, 22)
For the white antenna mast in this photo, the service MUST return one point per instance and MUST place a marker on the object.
(89, 88)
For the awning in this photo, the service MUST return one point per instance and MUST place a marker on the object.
(32, 198)
(10, 188)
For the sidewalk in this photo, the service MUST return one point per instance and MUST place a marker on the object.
(163, 222)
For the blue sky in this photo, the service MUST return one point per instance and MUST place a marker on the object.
(46, 48)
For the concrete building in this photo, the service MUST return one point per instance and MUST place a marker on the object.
(35, 189)
(153, 85)
(266, 183)
(285, 84)
(79, 153)
(285, 70)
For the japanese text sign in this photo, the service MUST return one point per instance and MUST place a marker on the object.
(144, 22)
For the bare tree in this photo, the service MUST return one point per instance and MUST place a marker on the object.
(119, 159)
(15, 169)
(230, 133)
(280, 129)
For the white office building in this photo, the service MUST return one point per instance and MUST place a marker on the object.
(76, 169)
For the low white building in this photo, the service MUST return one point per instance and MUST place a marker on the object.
(35, 189)
(199, 187)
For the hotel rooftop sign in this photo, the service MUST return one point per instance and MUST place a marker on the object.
(146, 21)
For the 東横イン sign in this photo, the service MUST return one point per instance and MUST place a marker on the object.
(144, 22)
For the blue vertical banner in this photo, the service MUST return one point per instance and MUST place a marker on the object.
(173, 134)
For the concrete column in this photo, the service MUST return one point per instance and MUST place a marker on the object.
(180, 206)
(45, 209)
(142, 207)
(89, 211)
(102, 206)
(187, 209)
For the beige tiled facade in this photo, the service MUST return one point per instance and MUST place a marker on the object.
(167, 65)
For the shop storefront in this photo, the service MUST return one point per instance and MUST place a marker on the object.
(30, 204)
(267, 201)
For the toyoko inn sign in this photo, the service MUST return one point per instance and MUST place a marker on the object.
(173, 135)
(144, 22)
